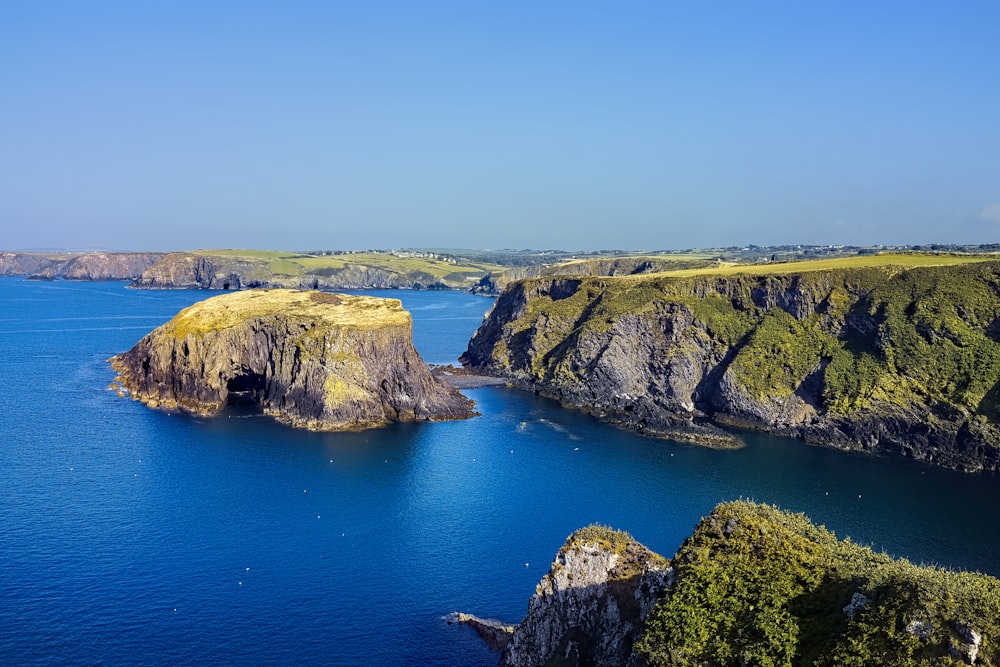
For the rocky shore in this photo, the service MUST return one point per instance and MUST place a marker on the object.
(310, 359)
(888, 360)
(752, 585)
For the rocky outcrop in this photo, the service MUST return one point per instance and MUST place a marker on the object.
(110, 266)
(495, 633)
(752, 585)
(78, 266)
(185, 270)
(230, 271)
(29, 263)
(889, 360)
(310, 359)
(493, 284)
(589, 608)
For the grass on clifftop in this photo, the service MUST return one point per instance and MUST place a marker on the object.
(870, 331)
(758, 586)
(341, 310)
(297, 264)
(905, 260)
(604, 536)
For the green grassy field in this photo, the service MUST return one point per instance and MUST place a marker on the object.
(678, 256)
(297, 264)
(907, 260)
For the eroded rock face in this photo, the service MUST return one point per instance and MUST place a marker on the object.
(77, 266)
(888, 360)
(310, 359)
(752, 585)
(589, 608)
(200, 270)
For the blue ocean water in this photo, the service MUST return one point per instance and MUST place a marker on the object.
(135, 537)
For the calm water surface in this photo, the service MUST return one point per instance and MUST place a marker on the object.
(130, 536)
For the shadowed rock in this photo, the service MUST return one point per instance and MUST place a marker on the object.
(310, 359)
(495, 633)
(889, 359)
(752, 585)
(590, 607)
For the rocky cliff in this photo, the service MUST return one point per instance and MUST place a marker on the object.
(752, 586)
(493, 283)
(886, 359)
(231, 270)
(310, 359)
(78, 266)
(185, 270)
(590, 607)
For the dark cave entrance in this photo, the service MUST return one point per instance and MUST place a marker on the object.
(246, 392)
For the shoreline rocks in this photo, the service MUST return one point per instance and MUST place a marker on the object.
(309, 359)
(751, 585)
(887, 360)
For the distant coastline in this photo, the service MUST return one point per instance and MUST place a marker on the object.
(484, 272)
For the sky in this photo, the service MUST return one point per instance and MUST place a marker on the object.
(540, 124)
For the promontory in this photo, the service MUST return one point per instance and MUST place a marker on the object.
(307, 358)
(894, 355)
(753, 585)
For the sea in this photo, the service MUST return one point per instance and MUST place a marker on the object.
(132, 536)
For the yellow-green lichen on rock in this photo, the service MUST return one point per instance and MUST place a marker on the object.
(752, 585)
(310, 359)
(896, 355)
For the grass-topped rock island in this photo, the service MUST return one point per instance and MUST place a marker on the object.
(310, 359)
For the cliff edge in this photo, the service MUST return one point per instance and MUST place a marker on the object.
(889, 358)
(310, 359)
(752, 585)
(246, 269)
(590, 607)
(78, 266)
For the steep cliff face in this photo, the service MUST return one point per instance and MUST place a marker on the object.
(29, 263)
(310, 359)
(494, 283)
(184, 270)
(888, 359)
(204, 270)
(752, 585)
(589, 608)
(73, 266)
(110, 266)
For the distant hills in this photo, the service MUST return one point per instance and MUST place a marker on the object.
(483, 271)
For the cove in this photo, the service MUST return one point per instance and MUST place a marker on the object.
(131, 536)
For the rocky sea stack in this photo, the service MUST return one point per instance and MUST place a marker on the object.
(310, 359)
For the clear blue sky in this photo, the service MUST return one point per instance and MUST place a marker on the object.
(574, 125)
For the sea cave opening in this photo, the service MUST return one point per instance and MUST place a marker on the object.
(246, 392)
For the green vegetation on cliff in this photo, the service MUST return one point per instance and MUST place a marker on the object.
(310, 359)
(336, 310)
(872, 260)
(753, 586)
(393, 269)
(758, 586)
(900, 352)
(930, 325)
